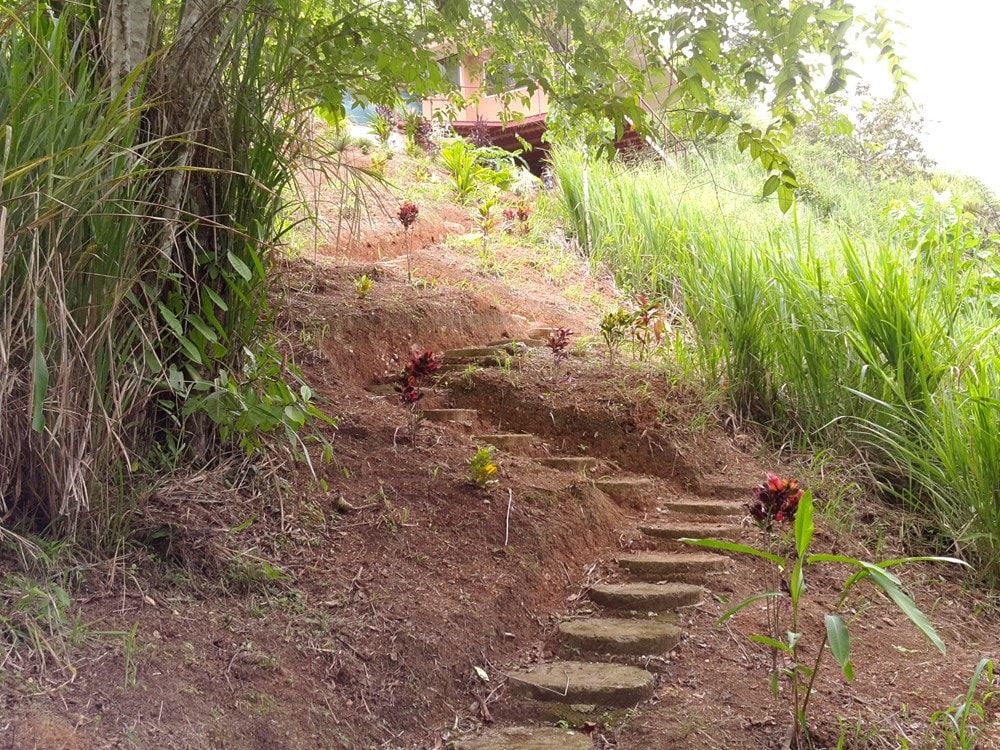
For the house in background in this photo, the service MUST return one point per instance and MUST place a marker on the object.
(484, 116)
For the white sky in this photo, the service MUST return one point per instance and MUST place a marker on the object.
(953, 50)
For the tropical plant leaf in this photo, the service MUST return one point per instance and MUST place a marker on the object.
(749, 600)
(840, 644)
(734, 547)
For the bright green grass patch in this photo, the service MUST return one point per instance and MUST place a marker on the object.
(882, 346)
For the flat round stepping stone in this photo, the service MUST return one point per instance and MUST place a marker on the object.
(619, 636)
(509, 443)
(474, 353)
(691, 530)
(663, 566)
(526, 738)
(515, 344)
(623, 489)
(541, 333)
(645, 597)
(465, 417)
(583, 682)
(569, 463)
(705, 507)
(382, 389)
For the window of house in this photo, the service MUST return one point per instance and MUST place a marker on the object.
(452, 69)
(500, 78)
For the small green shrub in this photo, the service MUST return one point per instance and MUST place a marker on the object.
(482, 469)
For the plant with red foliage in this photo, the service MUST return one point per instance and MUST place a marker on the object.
(407, 215)
(419, 367)
(776, 499)
(523, 214)
(558, 341)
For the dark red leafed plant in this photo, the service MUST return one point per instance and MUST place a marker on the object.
(419, 367)
(558, 342)
(776, 499)
(509, 214)
(407, 215)
(523, 214)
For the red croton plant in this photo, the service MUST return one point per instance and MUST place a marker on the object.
(418, 368)
(776, 499)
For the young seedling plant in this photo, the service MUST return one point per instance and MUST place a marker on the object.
(419, 367)
(407, 215)
(614, 326)
(781, 501)
(482, 470)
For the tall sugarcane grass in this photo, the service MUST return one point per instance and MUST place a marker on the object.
(886, 349)
(137, 223)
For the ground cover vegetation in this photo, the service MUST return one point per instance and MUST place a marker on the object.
(149, 150)
(863, 319)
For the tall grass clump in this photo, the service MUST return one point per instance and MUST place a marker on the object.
(884, 348)
(137, 221)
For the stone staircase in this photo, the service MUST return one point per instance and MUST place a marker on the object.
(635, 612)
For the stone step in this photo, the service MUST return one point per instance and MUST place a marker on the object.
(473, 354)
(465, 417)
(382, 389)
(645, 597)
(669, 566)
(724, 489)
(619, 636)
(705, 507)
(525, 738)
(569, 463)
(542, 333)
(681, 530)
(582, 682)
(509, 443)
(624, 490)
(515, 344)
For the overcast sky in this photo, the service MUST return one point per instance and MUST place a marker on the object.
(953, 49)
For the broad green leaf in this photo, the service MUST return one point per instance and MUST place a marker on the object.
(923, 558)
(214, 296)
(804, 524)
(907, 605)
(240, 267)
(734, 547)
(831, 15)
(772, 184)
(749, 600)
(170, 319)
(786, 197)
(766, 641)
(840, 644)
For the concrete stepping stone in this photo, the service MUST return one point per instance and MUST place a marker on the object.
(623, 489)
(583, 682)
(705, 507)
(665, 566)
(509, 443)
(569, 463)
(526, 738)
(541, 333)
(512, 345)
(473, 354)
(465, 417)
(645, 597)
(619, 636)
(723, 489)
(382, 389)
(692, 530)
